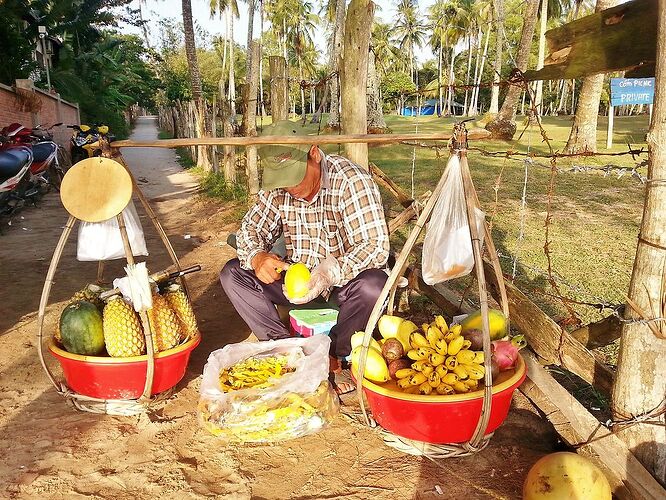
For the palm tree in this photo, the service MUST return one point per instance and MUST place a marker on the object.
(583, 135)
(300, 36)
(498, 20)
(503, 126)
(410, 30)
(191, 50)
(228, 8)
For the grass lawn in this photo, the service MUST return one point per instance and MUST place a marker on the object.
(595, 218)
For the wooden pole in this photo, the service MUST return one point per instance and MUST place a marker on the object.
(354, 77)
(609, 132)
(250, 125)
(277, 67)
(476, 134)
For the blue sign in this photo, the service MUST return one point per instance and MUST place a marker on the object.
(631, 91)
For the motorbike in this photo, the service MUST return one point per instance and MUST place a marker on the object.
(85, 141)
(30, 163)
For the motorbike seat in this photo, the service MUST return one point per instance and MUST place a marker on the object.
(42, 151)
(12, 161)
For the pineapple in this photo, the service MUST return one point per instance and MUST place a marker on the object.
(123, 334)
(178, 301)
(164, 323)
(89, 293)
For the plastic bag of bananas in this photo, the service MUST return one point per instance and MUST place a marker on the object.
(267, 391)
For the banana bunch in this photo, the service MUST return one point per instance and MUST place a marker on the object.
(442, 361)
(253, 372)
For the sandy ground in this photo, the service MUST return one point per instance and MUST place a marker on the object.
(48, 449)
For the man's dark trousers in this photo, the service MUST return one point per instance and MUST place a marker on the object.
(255, 302)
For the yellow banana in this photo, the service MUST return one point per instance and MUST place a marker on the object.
(479, 357)
(461, 372)
(414, 354)
(420, 365)
(417, 379)
(403, 383)
(475, 372)
(451, 362)
(441, 347)
(467, 344)
(425, 388)
(425, 327)
(450, 378)
(472, 384)
(417, 340)
(455, 345)
(449, 336)
(434, 380)
(427, 370)
(441, 370)
(465, 357)
(444, 389)
(404, 372)
(433, 335)
(441, 324)
(460, 387)
(456, 329)
(436, 359)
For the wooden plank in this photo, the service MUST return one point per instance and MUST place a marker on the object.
(600, 333)
(552, 343)
(602, 42)
(580, 429)
(309, 139)
(381, 178)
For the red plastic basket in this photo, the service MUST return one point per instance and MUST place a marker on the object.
(441, 419)
(123, 378)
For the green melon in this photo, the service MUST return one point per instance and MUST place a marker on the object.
(81, 329)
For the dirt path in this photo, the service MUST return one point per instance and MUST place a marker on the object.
(50, 450)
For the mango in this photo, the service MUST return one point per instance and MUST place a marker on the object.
(376, 368)
(497, 320)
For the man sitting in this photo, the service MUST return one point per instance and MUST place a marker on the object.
(329, 211)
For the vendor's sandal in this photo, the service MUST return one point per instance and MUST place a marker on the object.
(342, 382)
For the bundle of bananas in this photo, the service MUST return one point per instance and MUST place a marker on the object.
(261, 420)
(253, 372)
(442, 361)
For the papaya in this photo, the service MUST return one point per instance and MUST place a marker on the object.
(498, 323)
(81, 328)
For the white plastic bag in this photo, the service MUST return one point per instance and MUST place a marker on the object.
(293, 405)
(102, 240)
(447, 248)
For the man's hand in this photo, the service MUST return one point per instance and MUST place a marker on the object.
(324, 276)
(266, 266)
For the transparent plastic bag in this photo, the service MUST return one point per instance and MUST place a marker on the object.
(447, 248)
(295, 404)
(102, 240)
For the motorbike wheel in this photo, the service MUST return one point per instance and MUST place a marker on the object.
(58, 168)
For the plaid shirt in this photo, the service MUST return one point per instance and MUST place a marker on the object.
(345, 219)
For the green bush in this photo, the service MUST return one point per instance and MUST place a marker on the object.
(214, 185)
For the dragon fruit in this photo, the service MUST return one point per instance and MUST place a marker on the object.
(505, 354)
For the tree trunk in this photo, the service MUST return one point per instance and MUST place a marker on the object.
(304, 113)
(376, 122)
(498, 13)
(450, 101)
(251, 130)
(538, 96)
(439, 80)
(503, 126)
(232, 69)
(354, 76)
(583, 135)
(191, 50)
(278, 75)
(261, 60)
(469, 70)
(475, 108)
(246, 100)
(334, 64)
(316, 118)
(640, 383)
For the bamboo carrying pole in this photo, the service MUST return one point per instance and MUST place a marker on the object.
(479, 440)
(308, 139)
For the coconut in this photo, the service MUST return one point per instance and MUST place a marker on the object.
(398, 364)
(392, 349)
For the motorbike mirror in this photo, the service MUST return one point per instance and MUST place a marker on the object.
(96, 189)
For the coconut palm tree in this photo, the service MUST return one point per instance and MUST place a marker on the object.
(228, 9)
(191, 50)
(410, 30)
(300, 34)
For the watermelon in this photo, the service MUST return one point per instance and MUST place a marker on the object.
(81, 328)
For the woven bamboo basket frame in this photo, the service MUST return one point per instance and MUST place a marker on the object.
(80, 401)
(386, 299)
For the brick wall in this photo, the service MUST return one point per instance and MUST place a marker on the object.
(53, 110)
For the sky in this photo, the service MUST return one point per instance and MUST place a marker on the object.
(156, 9)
